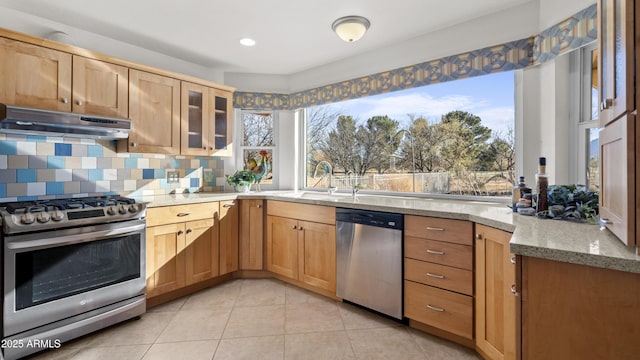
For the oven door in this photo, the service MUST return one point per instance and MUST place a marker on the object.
(53, 275)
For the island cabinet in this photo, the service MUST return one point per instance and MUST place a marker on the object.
(301, 244)
(438, 276)
(572, 311)
(229, 239)
(251, 234)
(496, 300)
(39, 77)
(182, 246)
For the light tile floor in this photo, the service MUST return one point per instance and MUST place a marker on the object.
(258, 319)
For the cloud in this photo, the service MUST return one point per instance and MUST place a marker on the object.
(398, 107)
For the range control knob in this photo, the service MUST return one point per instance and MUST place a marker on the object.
(27, 218)
(43, 217)
(57, 215)
(112, 210)
(122, 209)
(133, 208)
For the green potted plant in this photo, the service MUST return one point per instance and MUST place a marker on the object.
(241, 180)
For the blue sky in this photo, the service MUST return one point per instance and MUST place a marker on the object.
(490, 96)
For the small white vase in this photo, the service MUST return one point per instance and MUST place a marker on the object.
(242, 188)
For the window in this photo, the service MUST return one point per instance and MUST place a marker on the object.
(258, 145)
(587, 127)
(452, 138)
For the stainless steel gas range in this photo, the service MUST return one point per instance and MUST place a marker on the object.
(71, 266)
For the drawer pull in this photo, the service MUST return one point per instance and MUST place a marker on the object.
(228, 205)
(513, 260)
(431, 307)
(181, 214)
(435, 276)
(434, 228)
(435, 252)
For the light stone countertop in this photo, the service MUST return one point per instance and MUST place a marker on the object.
(564, 241)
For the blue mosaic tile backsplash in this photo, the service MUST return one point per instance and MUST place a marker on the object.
(39, 167)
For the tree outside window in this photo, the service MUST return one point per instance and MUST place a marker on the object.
(258, 144)
(453, 153)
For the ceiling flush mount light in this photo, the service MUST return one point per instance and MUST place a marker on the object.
(247, 42)
(350, 28)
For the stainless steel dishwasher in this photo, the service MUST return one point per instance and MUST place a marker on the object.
(369, 259)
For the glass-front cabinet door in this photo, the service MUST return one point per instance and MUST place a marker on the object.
(195, 120)
(223, 123)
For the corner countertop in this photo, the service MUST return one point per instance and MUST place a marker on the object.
(565, 241)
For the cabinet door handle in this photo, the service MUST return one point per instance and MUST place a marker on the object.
(294, 227)
(180, 232)
(79, 102)
(514, 291)
(134, 144)
(434, 228)
(181, 214)
(189, 230)
(65, 100)
(513, 259)
(228, 205)
(435, 252)
(301, 228)
(435, 276)
(478, 236)
(434, 308)
(258, 206)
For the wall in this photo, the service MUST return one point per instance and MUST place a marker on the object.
(49, 167)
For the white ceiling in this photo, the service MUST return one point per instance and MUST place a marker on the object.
(292, 35)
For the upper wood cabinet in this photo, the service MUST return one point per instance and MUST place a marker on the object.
(195, 120)
(154, 108)
(617, 178)
(100, 88)
(221, 102)
(495, 305)
(616, 59)
(33, 76)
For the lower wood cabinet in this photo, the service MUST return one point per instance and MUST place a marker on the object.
(495, 307)
(229, 214)
(182, 246)
(299, 249)
(251, 234)
(572, 311)
(438, 275)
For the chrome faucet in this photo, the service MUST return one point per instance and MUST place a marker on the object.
(331, 189)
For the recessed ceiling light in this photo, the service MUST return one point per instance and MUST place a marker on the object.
(247, 42)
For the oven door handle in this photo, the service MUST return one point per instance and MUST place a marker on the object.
(75, 238)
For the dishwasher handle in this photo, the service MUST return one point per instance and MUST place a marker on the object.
(370, 218)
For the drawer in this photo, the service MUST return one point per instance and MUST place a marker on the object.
(291, 210)
(454, 231)
(441, 276)
(443, 309)
(440, 252)
(181, 213)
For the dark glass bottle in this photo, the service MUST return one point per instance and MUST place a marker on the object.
(518, 193)
(542, 185)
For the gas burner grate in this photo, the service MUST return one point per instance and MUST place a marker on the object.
(22, 207)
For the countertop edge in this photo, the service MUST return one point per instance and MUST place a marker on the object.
(530, 236)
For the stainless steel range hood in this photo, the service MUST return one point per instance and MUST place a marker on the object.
(28, 121)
